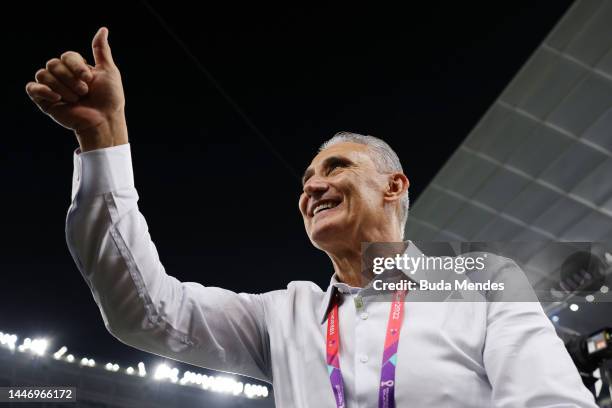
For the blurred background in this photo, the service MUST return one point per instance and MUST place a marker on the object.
(499, 111)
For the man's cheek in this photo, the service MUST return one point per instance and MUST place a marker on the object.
(302, 207)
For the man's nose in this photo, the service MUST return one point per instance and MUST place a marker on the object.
(315, 187)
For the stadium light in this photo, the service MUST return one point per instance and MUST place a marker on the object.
(59, 353)
(141, 369)
(222, 384)
(36, 346)
(254, 390)
(25, 345)
(165, 372)
(226, 385)
(88, 362)
(39, 346)
(8, 340)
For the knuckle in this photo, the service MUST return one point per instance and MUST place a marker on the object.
(68, 55)
(53, 63)
(29, 88)
(40, 74)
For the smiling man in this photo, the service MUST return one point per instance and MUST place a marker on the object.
(354, 191)
(331, 348)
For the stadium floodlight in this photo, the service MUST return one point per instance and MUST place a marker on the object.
(174, 375)
(27, 342)
(160, 372)
(164, 372)
(254, 390)
(223, 384)
(190, 378)
(141, 369)
(262, 391)
(59, 353)
(36, 346)
(8, 340)
(205, 381)
(89, 362)
(238, 388)
(39, 346)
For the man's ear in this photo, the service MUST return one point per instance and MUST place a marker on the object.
(398, 185)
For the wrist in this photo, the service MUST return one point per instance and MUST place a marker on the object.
(109, 133)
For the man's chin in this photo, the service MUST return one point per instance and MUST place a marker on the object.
(327, 236)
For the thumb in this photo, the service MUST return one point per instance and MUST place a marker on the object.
(101, 50)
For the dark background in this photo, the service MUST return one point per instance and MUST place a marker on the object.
(220, 195)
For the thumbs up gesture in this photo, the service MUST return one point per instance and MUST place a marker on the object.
(86, 99)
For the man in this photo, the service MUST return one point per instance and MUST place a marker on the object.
(320, 349)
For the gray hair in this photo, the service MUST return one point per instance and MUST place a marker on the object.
(384, 158)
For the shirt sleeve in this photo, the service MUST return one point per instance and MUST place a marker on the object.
(140, 303)
(526, 362)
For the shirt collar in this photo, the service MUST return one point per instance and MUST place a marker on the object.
(336, 286)
(329, 294)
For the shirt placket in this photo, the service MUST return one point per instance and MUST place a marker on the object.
(366, 390)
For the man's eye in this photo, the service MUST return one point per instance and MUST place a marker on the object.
(334, 167)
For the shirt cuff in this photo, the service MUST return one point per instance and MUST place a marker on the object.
(101, 171)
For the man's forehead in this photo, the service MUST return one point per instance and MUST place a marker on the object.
(354, 151)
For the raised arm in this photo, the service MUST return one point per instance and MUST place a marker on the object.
(109, 240)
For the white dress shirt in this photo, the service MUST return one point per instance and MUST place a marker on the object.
(470, 354)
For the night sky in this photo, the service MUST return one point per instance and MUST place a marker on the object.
(218, 171)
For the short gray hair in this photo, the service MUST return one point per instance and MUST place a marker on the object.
(384, 158)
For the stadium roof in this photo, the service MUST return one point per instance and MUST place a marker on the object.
(538, 165)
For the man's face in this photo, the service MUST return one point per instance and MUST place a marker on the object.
(343, 193)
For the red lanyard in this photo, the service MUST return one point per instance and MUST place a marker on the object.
(386, 393)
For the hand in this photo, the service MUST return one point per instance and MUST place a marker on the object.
(86, 99)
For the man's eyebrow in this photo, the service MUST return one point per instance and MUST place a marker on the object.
(329, 162)
(337, 161)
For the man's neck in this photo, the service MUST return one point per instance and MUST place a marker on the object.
(348, 270)
(352, 268)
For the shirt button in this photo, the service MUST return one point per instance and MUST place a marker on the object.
(358, 302)
(363, 358)
(364, 316)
